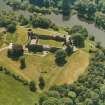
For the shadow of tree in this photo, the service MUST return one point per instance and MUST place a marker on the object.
(60, 63)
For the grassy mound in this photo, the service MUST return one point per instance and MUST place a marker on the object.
(45, 66)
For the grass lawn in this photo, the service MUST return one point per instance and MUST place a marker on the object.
(13, 92)
(45, 66)
(51, 43)
(20, 36)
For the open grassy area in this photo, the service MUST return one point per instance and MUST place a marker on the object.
(51, 43)
(13, 92)
(45, 66)
(20, 36)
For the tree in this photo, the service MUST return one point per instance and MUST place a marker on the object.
(22, 62)
(89, 102)
(11, 27)
(41, 22)
(66, 101)
(32, 86)
(42, 98)
(66, 7)
(101, 6)
(23, 21)
(86, 9)
(41, 83)
(37, 2)
(94, 97)
(91, 11)
(16, 51)
(2, 22)
(98, 45)
(72, 94)
(97, 1)
(92, 38)
(15, 4)
(54, 94)
(69, 50)
(79, 29)
(102, 92)
(47, 3)
(51, 101)
(100, 20)
(60, 56)
(78, 40)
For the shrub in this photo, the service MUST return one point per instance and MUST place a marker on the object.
(1, 68)
(41, 83)
(32, 86)
(92, 38)
(100, 20)
(35, 48)
(98, 45)
(41, 22)
(22, 62)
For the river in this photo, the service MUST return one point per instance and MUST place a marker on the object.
(3, 6)
(74, 20)
(58, 20)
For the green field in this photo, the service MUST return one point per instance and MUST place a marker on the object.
(20, 36)
(13, 92)
(45, 66)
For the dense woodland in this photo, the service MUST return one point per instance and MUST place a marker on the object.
(88, 90)
(92, 10)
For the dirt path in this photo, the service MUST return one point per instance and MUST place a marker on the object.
(2, 49)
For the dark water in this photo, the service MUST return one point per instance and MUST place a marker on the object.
(58, 20)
